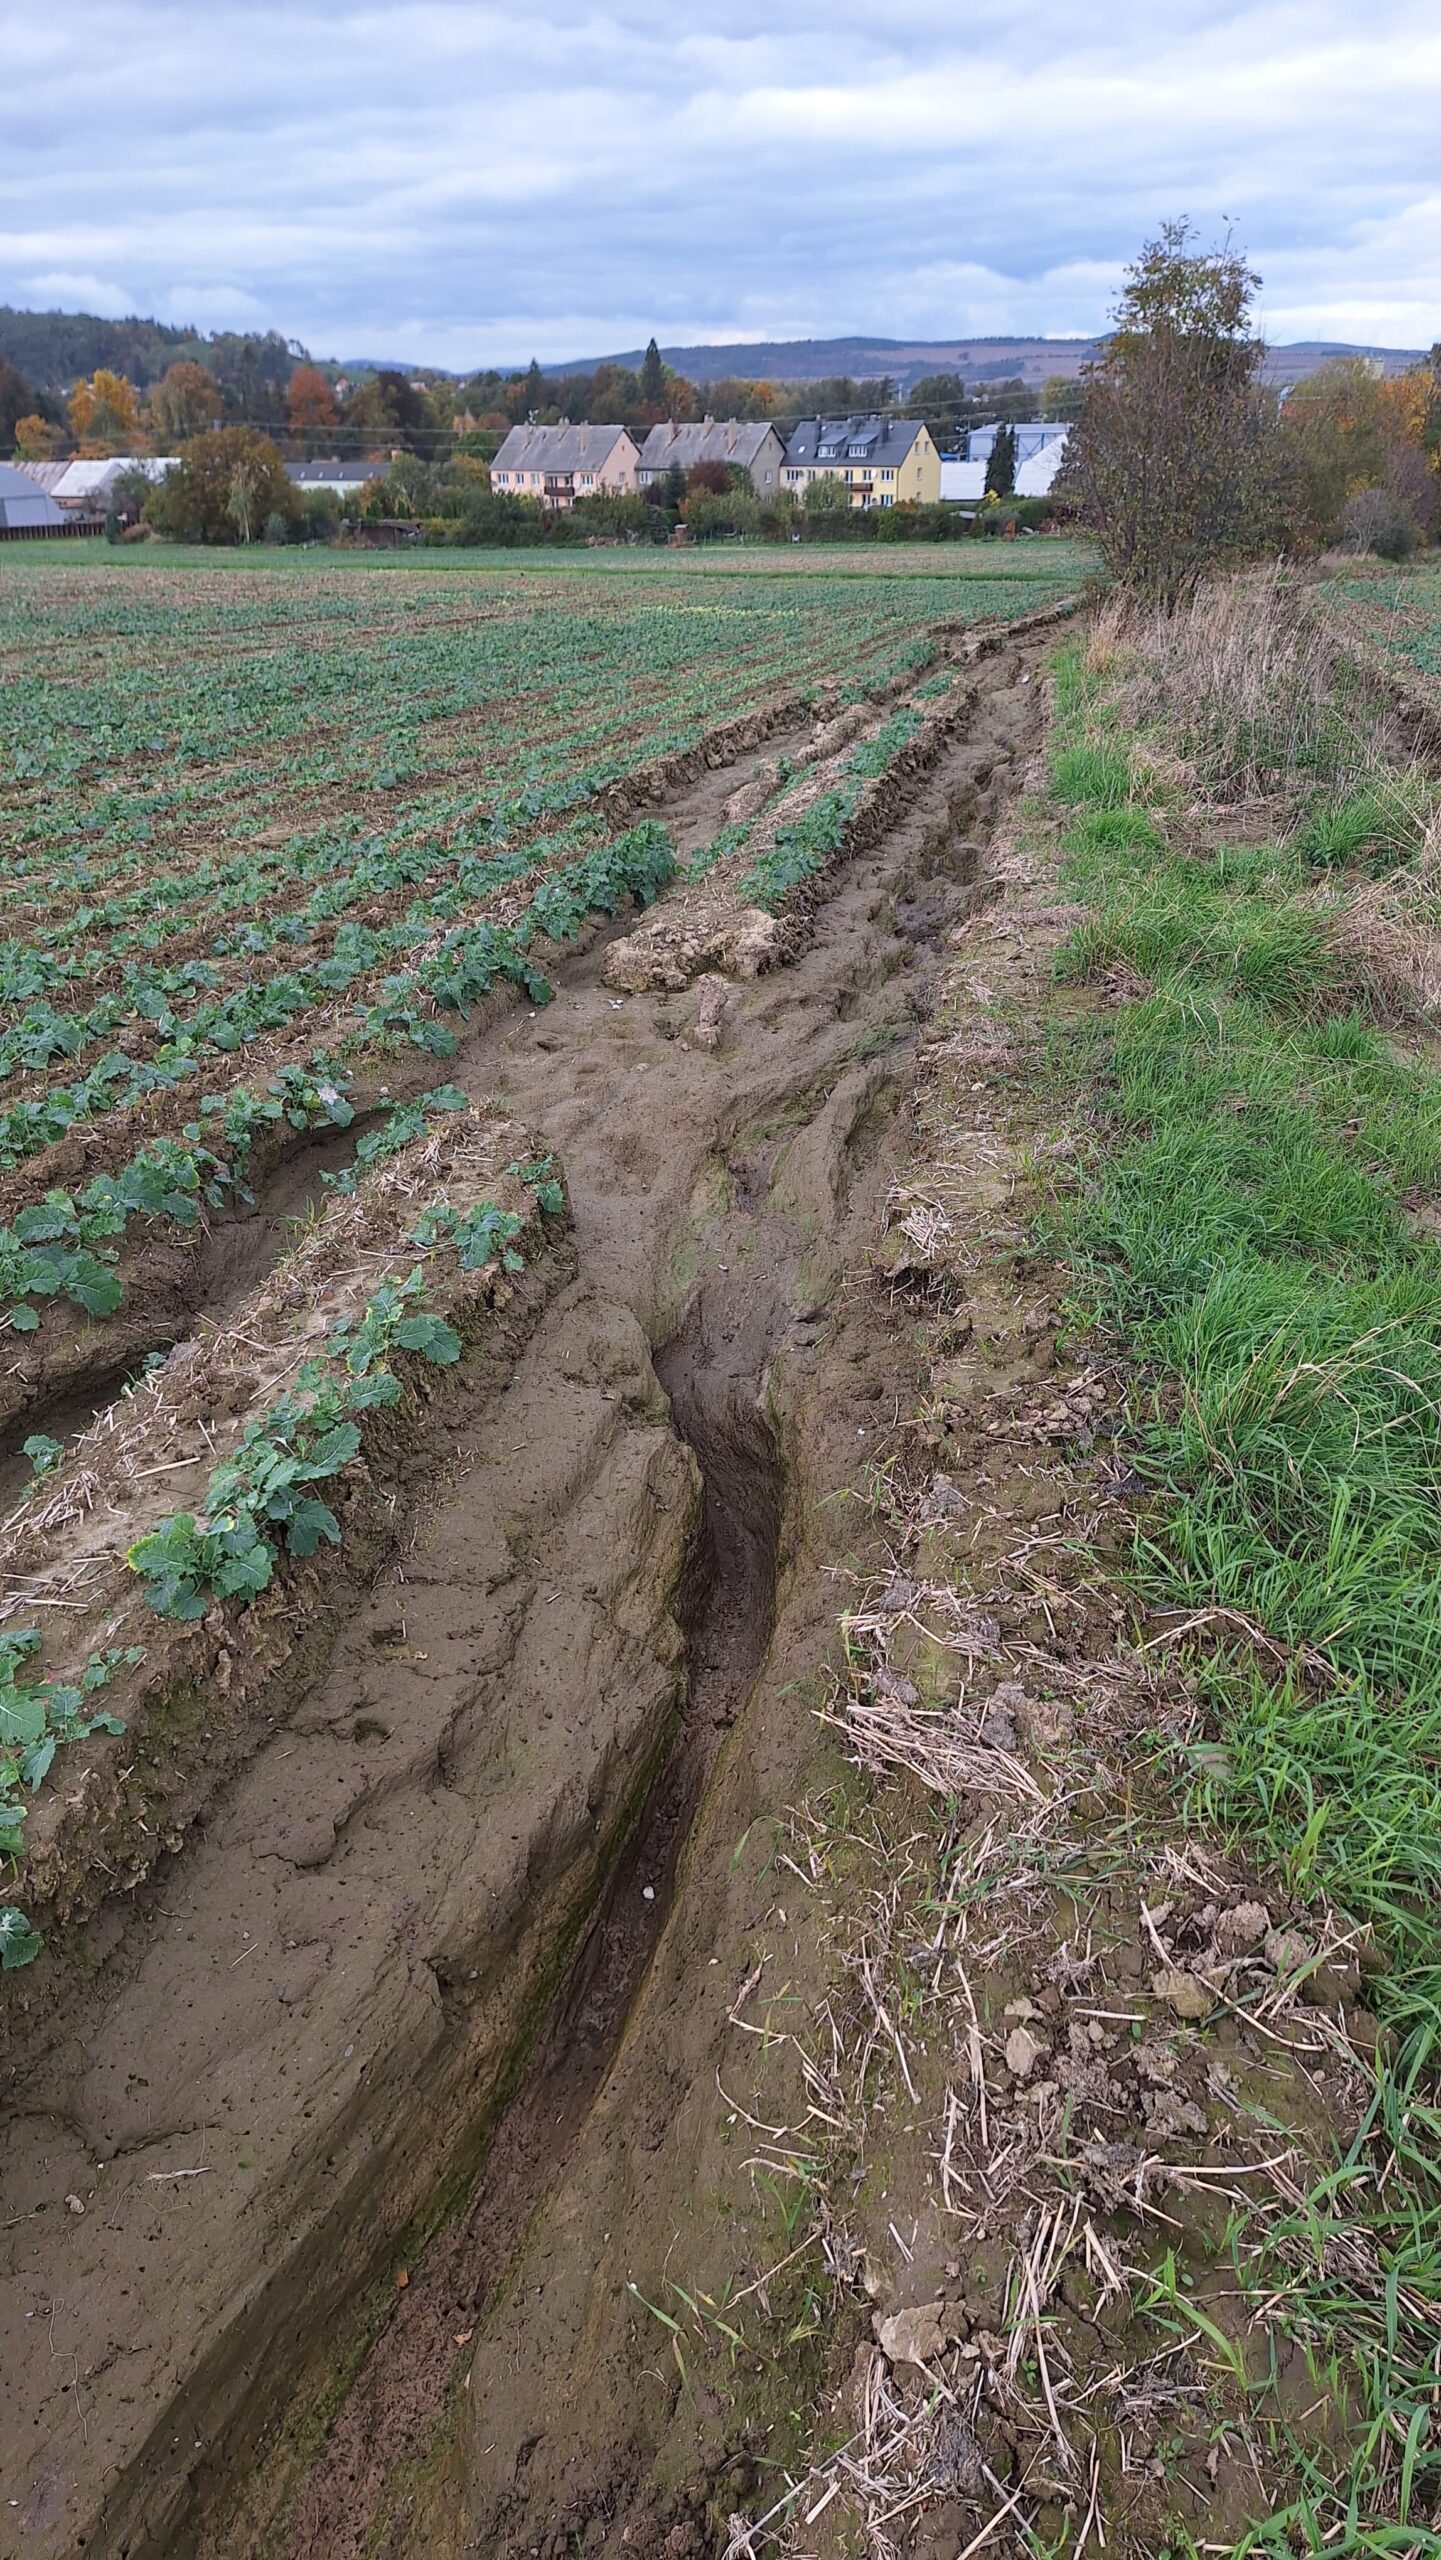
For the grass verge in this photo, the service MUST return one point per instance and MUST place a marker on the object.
(1254, 1230)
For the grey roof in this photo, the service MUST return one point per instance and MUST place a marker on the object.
(877, 439)
(737, 440)
(44, 474)
(334, 475)
(22, 503)
(560, 448)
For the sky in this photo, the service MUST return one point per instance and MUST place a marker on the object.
(458, 184)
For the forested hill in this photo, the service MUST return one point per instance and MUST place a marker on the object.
(907, 361)
(52, 349)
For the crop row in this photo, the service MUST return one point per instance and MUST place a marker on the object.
(448, 1221)
(66, 1247)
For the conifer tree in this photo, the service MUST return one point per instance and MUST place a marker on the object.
(652, 378)
(1001, 468)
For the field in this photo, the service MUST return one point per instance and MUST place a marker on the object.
(1399, 614)
(414, 979)
(272, 836)
(719, 1648)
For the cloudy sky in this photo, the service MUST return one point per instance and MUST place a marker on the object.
(449, 181)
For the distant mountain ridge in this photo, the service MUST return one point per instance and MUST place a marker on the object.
(909, 360)
(52, 348)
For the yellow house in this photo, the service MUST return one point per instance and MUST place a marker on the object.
(884, 462)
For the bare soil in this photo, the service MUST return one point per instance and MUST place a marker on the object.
(453, 1957)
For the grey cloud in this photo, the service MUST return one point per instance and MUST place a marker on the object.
(467, 183)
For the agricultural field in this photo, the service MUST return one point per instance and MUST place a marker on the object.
(271, 837)
(413, 1165)
(1397, 617)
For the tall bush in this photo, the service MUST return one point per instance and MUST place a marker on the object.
(1174, 459)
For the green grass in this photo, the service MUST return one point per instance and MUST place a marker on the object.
(1245, 1233)
(1053, 567)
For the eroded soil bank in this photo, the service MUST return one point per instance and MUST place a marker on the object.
(373, 2020)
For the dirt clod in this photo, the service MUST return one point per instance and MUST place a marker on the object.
(912, 2337)
(1186, 1993)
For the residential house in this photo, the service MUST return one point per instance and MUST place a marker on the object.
(744, 444)
(884, 462)
(557, 465)
(962, 483)
(342, 479)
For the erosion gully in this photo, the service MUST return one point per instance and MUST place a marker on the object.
(325, 2195)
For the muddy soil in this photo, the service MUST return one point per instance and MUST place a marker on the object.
(439, 1965)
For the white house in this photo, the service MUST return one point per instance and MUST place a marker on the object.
(962, 483)
(86, 486)
(342, 479)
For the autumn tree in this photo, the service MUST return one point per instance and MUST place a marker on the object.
(185, 401)
(387, 409)
(105, 414)
(826, 495)
(36, 438)
(714, 477)
(225, 488)
(1061, 398)
(1173, 456)
(1348, 435)
(309, 402)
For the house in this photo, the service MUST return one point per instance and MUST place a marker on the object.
(342, 479)
(962, 483)
(744, 444)
(884, 462)
(27, 509)
(87, 486)
(557, 465)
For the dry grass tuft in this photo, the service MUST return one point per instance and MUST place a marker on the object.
(1390, 936)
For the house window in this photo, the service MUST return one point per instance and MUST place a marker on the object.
(888, 475)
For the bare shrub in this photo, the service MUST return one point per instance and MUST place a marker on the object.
(1375, 521)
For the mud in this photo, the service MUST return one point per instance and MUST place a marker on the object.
(438, 1962)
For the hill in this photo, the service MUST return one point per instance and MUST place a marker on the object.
(909, 360)
(53, 348)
